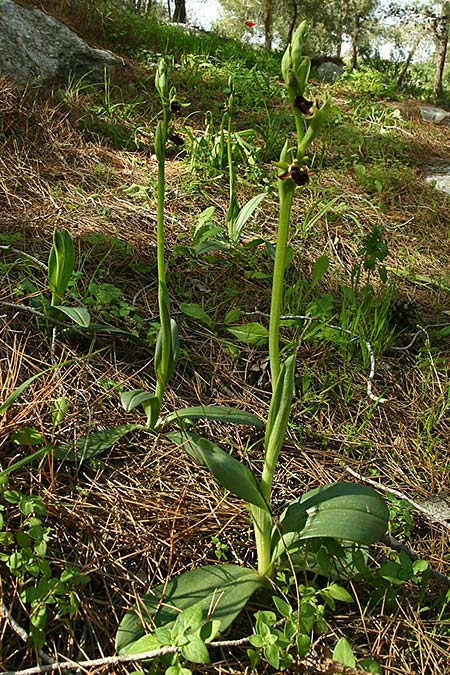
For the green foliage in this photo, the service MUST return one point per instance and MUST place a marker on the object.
(218, 591)
(370, 81)
(24, 539)
(61, 264)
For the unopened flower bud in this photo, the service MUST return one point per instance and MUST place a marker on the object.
(162, 80)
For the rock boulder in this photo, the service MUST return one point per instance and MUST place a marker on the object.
(36, 48)
(329, 71)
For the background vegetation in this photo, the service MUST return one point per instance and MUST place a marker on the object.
(80, 541)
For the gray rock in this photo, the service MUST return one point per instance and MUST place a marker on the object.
(329, 71)
(36, 48)
(430, 113)
(438, 175)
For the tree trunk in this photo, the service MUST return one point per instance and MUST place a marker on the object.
(441, 28)
(179, 14)
(268, 24)
(339, 31)
(411, 53)
(355, 40)
(293, 22)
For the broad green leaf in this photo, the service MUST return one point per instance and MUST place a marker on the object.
(252, 333)
(93, 444)
(212, 245)
(343, 653)
(61, 263)
(79, 315)
(228, 471)
(221, 591)
(282, 606)
(217, 413)
(196, 311)
(178, 670)
(320, 269)
(244, 214)
(303, 643)
(205, 217)
(134, 398)
(344, 511)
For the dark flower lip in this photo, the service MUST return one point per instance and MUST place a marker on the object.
(305, 106)
(299, 176)
(175, 107)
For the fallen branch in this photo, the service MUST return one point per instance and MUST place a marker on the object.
(427, 512)
(412, 555)
(114, 660)
(24, 255)
(22, 633)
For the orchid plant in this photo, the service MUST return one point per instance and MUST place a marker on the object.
(188, 611)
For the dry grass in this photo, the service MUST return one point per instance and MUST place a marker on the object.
(143, 512)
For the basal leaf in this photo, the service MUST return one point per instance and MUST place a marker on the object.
(134, 398)
(228, 471)
(345, 511)
(93, 444)
(217, 413)
(61, 262)
(78, 315)
(221, 591)
(211, 245)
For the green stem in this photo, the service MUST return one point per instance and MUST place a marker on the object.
(262, 520)
(286, 191)
(262, 525)
(163, 299)
(230, 150)
(300, 129)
